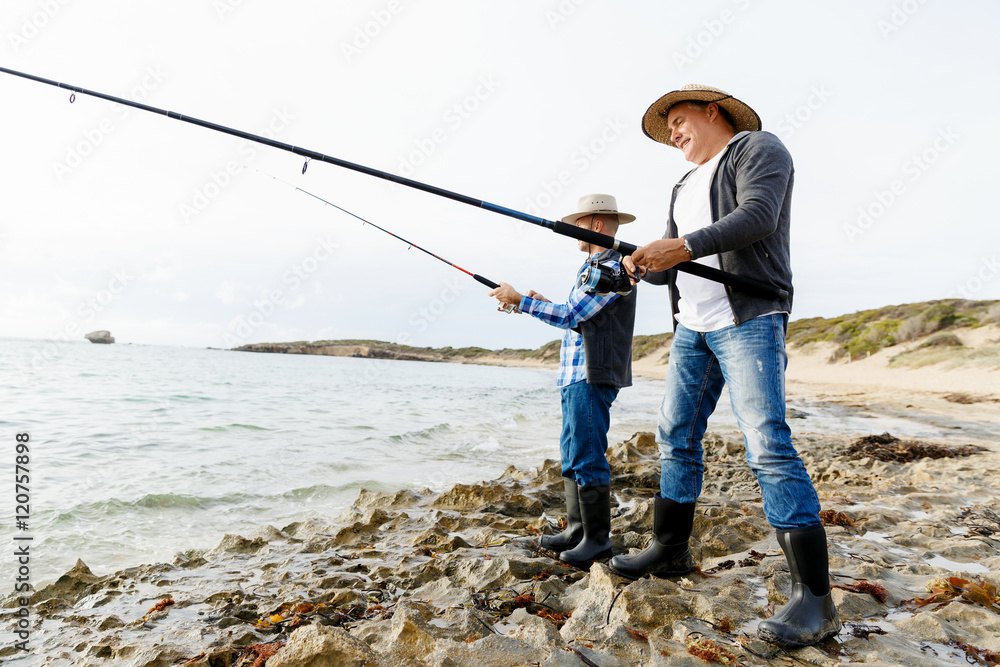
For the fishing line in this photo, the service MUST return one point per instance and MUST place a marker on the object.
(508, 308)
(559, 227)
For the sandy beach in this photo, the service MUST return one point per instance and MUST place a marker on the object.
(424, 578)
(950, 389)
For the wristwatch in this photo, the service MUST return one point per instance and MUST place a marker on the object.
(687, 246)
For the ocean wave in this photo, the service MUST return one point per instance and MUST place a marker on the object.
(230, 427)
(432, 432)
(326, 491)
(108, 509)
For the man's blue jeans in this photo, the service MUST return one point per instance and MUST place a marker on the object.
(750, 358)
(586, 416)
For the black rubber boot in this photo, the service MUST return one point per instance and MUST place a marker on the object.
(810, 615)
(595, 510)
(667, 554)
(573, 533)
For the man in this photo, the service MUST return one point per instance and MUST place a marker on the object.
(595, 361)
(730, 212)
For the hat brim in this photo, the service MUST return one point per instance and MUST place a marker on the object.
(623, 218)
(654, 121)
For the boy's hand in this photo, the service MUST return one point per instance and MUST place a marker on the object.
(506, 294)
(532, 294)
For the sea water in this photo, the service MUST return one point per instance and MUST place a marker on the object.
(138, 452)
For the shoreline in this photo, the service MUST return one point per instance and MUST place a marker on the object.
(961, 380)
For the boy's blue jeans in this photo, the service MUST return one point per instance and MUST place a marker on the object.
(586, 416)
(750, 359)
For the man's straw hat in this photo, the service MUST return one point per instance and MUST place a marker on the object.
(598, 204)
(654, 121)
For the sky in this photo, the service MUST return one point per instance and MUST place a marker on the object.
(167, 233)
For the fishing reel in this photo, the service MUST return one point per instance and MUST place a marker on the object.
(508, 308)
(601, 279)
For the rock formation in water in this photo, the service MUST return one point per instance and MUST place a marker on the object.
(103, 337)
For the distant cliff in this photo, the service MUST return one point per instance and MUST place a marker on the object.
(376, 349)
(857, 335)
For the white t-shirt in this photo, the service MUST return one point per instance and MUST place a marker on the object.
(703, 304)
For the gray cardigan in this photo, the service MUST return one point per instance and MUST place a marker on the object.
(751, 198)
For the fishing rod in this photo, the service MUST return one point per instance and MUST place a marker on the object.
(508, 308)
(559, 227)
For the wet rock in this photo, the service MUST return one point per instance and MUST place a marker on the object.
(533, 630)
(650, 603)
(305, 530)
(551, 593)
(222, 658)
(235, 544)
(719, 534)
(52, 605)
(76, 584)
(368, 500)
(270, 534)
(495, 651)
(634, 463)
(443, 593)
(363, 530)
(462, 624)
(189, 559)
(493, 497)
(109, 623)
(342, 598)
(409, 635)
(854, 605)
(323, 646)
(590, 599)
(717, 446)
(480, 574)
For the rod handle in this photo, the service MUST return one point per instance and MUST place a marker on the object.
(485, 281)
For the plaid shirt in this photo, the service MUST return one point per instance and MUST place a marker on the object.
(580, 307)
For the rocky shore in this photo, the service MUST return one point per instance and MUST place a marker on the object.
(422, 578)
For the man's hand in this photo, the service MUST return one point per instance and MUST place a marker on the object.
(634, 270)
(506, 294)
(661, 255)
